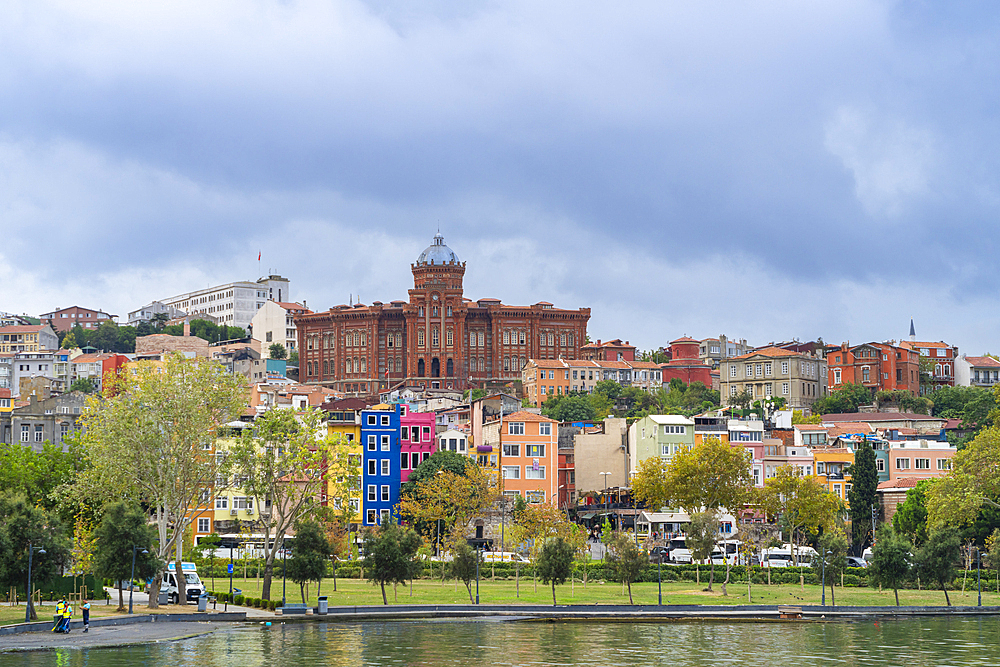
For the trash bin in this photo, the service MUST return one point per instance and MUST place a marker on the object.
(163, 598)
(322, 605)
(203, 602)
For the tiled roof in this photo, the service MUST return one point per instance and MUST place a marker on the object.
(847, 428)
(901, 483)
(23, 328)
(768, 352)
(980, 362)
(4, 392)
(548, 363)
(684, 339)
(915, 343)
(293, 306)
(810, 427)
(876, 416)
(522, 416)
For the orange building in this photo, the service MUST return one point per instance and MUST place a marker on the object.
(877, 366)
(528, 455)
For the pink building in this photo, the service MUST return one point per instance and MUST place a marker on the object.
(416, 441)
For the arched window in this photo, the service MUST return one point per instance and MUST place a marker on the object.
(551, 340)
(506, 363)
(435, 367)
(364, 365)
(506, 337)
(481, 338)
(451, 368)
(420, 368)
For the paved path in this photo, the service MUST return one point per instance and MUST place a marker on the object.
(140, 600)
(114, 635)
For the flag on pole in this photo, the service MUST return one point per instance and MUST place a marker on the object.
(258, 256)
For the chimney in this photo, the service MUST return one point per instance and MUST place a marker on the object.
(187, 327)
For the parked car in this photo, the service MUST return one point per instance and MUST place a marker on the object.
(854, 561)
(659, 554)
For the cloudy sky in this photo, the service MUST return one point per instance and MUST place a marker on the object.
(767, 170)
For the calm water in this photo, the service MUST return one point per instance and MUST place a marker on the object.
(910, 643)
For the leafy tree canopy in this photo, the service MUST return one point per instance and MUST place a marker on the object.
(936, 559)
(555, 563)
(85, 384)
(390, 555)
(23, 524)
(973, 481)
(910, 519)
(310, 554)
(277, 351)
(569, 408)
(122, 527)
(890, 564)
(845, 399)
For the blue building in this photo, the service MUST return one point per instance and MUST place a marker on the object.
(380, 468)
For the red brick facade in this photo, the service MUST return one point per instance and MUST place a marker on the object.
(436, 339)
(878, 366)
(685, 363)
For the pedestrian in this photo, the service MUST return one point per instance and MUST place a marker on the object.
(60, 606)
(67, 615)
(86, 615)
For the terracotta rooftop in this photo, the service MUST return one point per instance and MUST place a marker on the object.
(23, 328)
(980, 362)
(916, 343)
(768, 352)
(901, 483)
(522, 416)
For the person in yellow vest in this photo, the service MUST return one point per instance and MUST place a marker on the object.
(60, 607)
(67, 615)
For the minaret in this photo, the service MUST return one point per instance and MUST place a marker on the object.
(913, 332)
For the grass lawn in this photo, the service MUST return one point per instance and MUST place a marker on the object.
(425, 591)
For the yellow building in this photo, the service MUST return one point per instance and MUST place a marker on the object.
(831, 469)
(344, 419)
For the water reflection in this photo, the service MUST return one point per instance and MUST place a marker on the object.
(913, 643)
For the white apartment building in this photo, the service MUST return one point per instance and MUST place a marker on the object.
(233, 304)
(274, 322)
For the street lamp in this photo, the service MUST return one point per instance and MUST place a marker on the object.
(607, 506)
(131, 584)
(979, 585)
(283, 554)
(824, 576)
(479, 555)
(659, 577)
(27, 606)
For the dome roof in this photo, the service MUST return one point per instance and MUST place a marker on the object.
(437, 253)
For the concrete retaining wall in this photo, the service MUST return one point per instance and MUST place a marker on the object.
(45, 626)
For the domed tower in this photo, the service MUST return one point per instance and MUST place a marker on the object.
(436, 317)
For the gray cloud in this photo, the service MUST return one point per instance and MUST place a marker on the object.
(777, 170)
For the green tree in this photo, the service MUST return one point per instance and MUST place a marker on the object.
(800, 502)
(555, 563)
(68, 341)
(23, 525)
(452, 462)
(702, 534)
(910, 519)
(574, 407)
(863, 497)
(601, 404)
(834, 545)
(310, 553)
(890, 565)
(609, 388)
(390, 555)
(85, 384)
(649, 483)
(936, 559)
(283, 445)
(293, 358)
(741, 400)
(845, 399)
(799, 418)
(974, 481)
(627, 560)
(277, 351)
(126, 339)
(470, 395)
(447, 501)
(122, 527)
(464, 563)
(150, 438)
(106, 337)
(81, 336)
(43, 477)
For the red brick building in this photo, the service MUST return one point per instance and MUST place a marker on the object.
(436, 339)
(939, 358)
(64, 319)
(878, 366)
(609, 350)
(685, 363)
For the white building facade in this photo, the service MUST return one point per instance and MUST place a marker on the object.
(233, 304)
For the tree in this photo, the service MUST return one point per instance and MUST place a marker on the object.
(936, 559)
(106, 337)
(464, 563)
(863, 497)
(555, 563)
(85, 385)
(601, 404)
(277, 351)
(68, 341)
(845, 399)
(449, 498)
(43, 476)
(649, 484)
(452, 462)
(286, 462)
(973, 481)
(84, 547)
(26, 525)
(890, 565)
(833, 547)
(702, 533)
(626, 559)
(741, 400)
(293, 358)
(150, 438)
(710, 476)
(992, 556)
(570, 408)
(609, 388)
(80, 335)
(801, 502)
(910, 519)
(123, 526)
(310, 552)
(390, 553)
(799, 418)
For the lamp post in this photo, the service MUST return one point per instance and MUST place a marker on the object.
(479, 555)
(825, 554)
(607, 505)
(27, 605)
(131, 584)
(979, 585)
(283, 554)
(231, 568)
(659, 578)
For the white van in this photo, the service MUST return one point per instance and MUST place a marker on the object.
(192, 583)
(782, 556)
